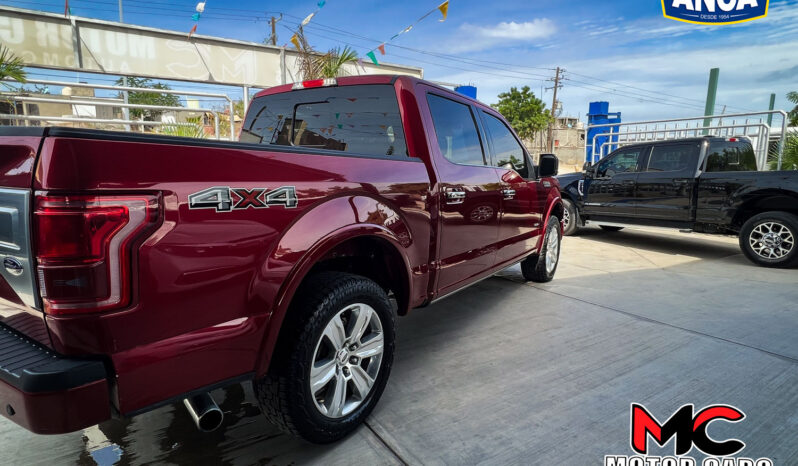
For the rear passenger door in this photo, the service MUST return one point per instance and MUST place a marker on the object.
(469, 190)
(666, 184)
(521, 220)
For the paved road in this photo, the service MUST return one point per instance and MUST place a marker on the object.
(514, 373)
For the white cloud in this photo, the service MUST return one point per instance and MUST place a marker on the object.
(474, 38)
(540, 28)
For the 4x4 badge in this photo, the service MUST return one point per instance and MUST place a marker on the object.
(226, 199)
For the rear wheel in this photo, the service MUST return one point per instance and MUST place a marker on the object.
(541, 267)
(570, 218)
(332, 365)
(769, 239)
(609, 228)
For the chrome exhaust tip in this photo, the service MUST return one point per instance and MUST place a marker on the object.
(204, 411)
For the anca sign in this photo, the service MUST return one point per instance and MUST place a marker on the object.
(717, 12)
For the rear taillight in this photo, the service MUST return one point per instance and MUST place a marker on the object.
(83, 249)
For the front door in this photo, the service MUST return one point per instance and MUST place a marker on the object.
(665, 185)
(470, 194)
(610, 192)
(521, 219)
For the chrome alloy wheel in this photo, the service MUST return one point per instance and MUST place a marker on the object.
(771, 240)
(566, 219)
(346, 360)
(552, 250)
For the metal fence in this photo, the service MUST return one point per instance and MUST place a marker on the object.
(768, 144)
(127, 123)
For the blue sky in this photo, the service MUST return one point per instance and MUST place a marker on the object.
(623, 51)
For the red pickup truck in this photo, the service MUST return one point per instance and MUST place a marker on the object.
(140, 270)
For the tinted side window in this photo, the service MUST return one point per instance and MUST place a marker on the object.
(673, 157)
(357, 119)
(456, 131)
(622, 162)
(505, 145)
(728, 156)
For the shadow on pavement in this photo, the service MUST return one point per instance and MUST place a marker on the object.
(688, 244)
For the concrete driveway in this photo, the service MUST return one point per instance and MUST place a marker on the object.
(513, 373)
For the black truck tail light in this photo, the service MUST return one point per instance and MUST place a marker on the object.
(83, 246)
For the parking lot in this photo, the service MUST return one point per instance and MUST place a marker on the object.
(513, 373)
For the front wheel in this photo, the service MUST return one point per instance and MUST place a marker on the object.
(570, 218)
(331, 366)
(541, 267)
(769, 239)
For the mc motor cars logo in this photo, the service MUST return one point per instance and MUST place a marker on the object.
(715, 12)
(687, 429)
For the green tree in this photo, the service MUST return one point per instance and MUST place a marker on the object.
(315, 65)
(525, 112)
(11, 66)
(793, 97)
(331, 64)
(148, 98)
(790, 159)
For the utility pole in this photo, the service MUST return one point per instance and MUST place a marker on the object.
(771, 107)
(712, 92)
(125, 110)
(274, 30)
(557, 86)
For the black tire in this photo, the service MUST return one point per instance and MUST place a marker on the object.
(750, 239)
(570, 218)
(610, 229)
(284, 394)
(534, 267)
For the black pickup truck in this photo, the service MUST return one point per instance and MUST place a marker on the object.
(707, 185)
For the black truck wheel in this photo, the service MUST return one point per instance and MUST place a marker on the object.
(610, 228)
(541, 267)
(332, 364)
(769, 239)
(570, 218)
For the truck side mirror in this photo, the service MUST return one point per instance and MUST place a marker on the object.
(549, 165)
(586, 166)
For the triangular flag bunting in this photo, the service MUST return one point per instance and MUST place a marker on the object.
(407, 29)
(444, 8)
(308, 18)
(373, 57)
(295, 41)
(67, 10)
(381, 48)
(321, 3)
(195, 16)
(201, 7)
(192, 31)
(340, 126)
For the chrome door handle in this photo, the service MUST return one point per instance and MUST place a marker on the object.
(455, 197)
(508, 193)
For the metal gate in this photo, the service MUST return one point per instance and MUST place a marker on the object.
(758, 127)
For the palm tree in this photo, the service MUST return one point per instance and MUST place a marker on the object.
(790, 159)
(11, 66)
(793, 97)
(331, 64)
(315, 65)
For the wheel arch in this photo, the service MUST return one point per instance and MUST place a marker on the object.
(353, 248)
(767, 201)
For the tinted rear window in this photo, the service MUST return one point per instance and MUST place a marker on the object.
(356, 119)
(673, 158)
(727, 156)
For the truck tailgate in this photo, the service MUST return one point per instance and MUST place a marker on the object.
(19, 306)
